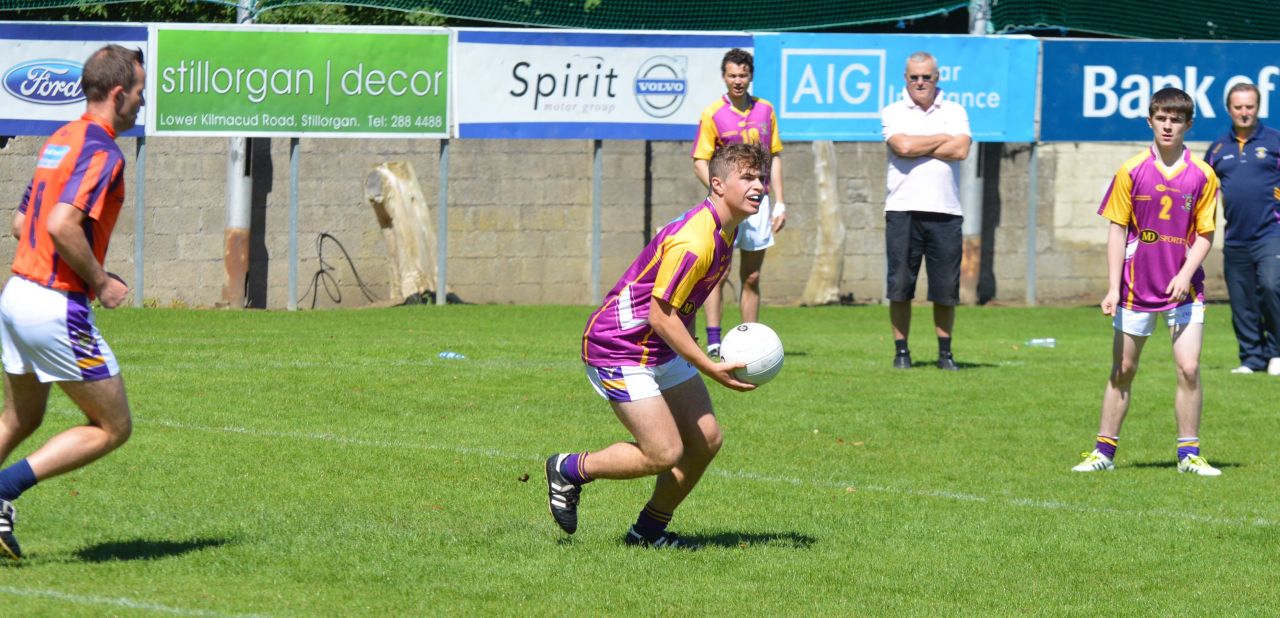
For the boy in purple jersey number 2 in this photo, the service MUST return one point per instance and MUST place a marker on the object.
(1161, 205)
(641, 356)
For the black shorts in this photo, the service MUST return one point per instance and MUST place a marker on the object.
(909, 237)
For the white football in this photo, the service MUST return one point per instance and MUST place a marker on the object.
(756, 345)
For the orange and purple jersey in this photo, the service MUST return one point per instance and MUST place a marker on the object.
(681, 265)
(80, 165)
(1164, 209)
(724, 124)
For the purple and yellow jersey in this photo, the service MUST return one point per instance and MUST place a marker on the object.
(681, 265)
(1164, 210)
(723, 124)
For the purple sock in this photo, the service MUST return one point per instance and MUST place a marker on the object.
(713, 335)
(652, 523)
(1107, 446)
(16, 479)
(1188, 446)
(572, 468)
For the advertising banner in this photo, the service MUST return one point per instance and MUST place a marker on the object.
(1100, 90)
(299, 81)
(40, 67)
(575, 84)
(833, 86)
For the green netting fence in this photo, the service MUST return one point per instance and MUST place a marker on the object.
(1123, 18)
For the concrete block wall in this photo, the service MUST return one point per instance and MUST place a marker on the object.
(520, 217)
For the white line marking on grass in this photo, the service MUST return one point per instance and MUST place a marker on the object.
(1025, 502)
(1259, 522)
(114, 602)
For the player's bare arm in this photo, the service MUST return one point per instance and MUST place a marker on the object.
(1117, 236)
(915, 146)
(1180, 287)
(702, 169)
(66, 229)
(668, 325)
(19, 219)
(779, 214)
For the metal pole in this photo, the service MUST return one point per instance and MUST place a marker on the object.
(971, 188)
(294, 155)
(235, 251)
(442, 227)
(1033, 205)
(139, 219)
(597, 213)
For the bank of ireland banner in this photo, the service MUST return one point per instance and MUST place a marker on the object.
(300, 81)
(1100, 90)
(40, 70)
(560, 84)
(833, 86)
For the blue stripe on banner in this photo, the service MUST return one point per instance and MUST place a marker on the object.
(577, 130)
(78, 32)
(17, 127)
(601, 39)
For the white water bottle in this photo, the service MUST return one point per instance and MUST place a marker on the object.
(1048, 342)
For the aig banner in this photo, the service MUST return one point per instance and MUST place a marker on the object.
(40, 71)
(1100, 90)
(832, 86)
(579, 84)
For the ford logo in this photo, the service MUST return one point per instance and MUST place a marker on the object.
(46, 82)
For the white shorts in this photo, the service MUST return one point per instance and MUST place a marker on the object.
(756, 233)
(1143, 323)
(632, 383)
(51, 333)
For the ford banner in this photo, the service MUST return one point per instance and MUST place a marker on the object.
(40, 72)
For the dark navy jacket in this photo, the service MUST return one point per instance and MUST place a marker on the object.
(1250, 176)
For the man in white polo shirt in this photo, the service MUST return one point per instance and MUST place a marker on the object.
(927, 138)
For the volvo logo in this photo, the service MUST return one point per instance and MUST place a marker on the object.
(661, 85)
(46, 82)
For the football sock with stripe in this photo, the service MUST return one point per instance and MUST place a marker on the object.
(1188, 446)
(652, 523)
(574, 468)
(1107, 445)
(713, 335)
(16, 479)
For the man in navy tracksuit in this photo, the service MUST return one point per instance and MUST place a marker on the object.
(1247, 161)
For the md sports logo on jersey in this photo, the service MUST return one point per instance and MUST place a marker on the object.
(46, 82)
(1149, 236)
(661, 85)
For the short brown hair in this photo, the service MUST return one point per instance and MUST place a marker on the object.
(107, 68)
(738, 56)
(1172, 100)
(1243, 87)
(738, 157)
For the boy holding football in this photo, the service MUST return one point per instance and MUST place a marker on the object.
(1161, 205)
(641, 356)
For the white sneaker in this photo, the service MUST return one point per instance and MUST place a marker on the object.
(1197, 465)
(1273, 367)
(1093, 462)
(1243, 369)
(713, 351)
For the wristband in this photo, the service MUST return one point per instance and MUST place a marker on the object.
(778, 208)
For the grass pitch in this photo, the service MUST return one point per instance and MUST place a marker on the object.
(330, 463)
